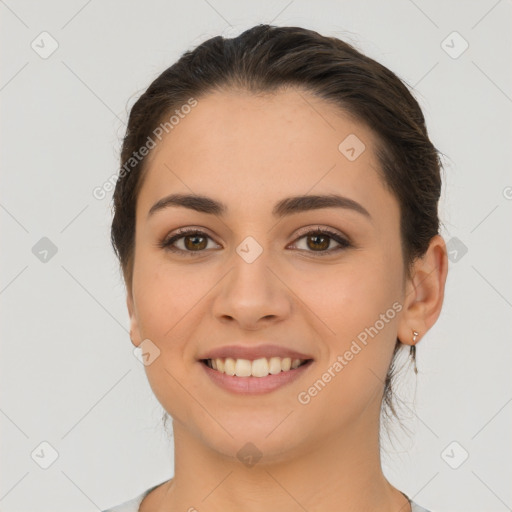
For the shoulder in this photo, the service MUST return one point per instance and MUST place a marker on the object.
(133, 504)
(127, 506)
(416, 508)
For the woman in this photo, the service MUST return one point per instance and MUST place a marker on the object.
(275, 218)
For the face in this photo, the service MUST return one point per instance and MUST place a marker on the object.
(321, 279)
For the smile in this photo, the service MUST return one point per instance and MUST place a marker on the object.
(254, 377)
(261, 367)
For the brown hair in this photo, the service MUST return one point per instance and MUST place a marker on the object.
(264, 59)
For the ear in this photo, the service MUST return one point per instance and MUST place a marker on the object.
(134, 326)
(424, 292)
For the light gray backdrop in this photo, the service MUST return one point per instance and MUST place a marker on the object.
(80, 426)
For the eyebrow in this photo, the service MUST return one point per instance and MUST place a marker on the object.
(287, 206)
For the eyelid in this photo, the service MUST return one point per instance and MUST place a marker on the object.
(180, 233)
(318, 228)
(343, 241)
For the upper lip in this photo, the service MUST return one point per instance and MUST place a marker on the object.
(253, 352)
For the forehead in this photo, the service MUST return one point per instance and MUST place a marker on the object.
(245, 147)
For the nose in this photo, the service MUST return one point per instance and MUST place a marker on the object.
(252, 295)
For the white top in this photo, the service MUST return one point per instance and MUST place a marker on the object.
(133, 504)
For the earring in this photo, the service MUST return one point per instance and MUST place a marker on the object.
(412, 350)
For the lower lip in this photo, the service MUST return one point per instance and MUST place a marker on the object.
(254, 385)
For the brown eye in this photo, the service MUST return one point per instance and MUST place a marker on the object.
(319, 241)
(187, 242)
(195, 242)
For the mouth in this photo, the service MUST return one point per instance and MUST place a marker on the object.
(260, 368)
(254, 376)
(253, 369)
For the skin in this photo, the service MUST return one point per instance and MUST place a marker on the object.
(249, 152)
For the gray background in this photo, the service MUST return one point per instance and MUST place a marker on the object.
(68, 374)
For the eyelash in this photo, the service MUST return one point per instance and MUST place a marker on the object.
(183, 233)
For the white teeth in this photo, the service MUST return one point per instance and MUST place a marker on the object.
(257, 368)
(229, 366)
(243, 368)
(220, 364)
(274, 365)
(286, 364)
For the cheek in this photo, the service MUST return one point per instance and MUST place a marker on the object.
(359, 306)
(362, 316)
(350, 297)
(169, 309)
(166, 294)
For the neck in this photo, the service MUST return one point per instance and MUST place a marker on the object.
(341, 472)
